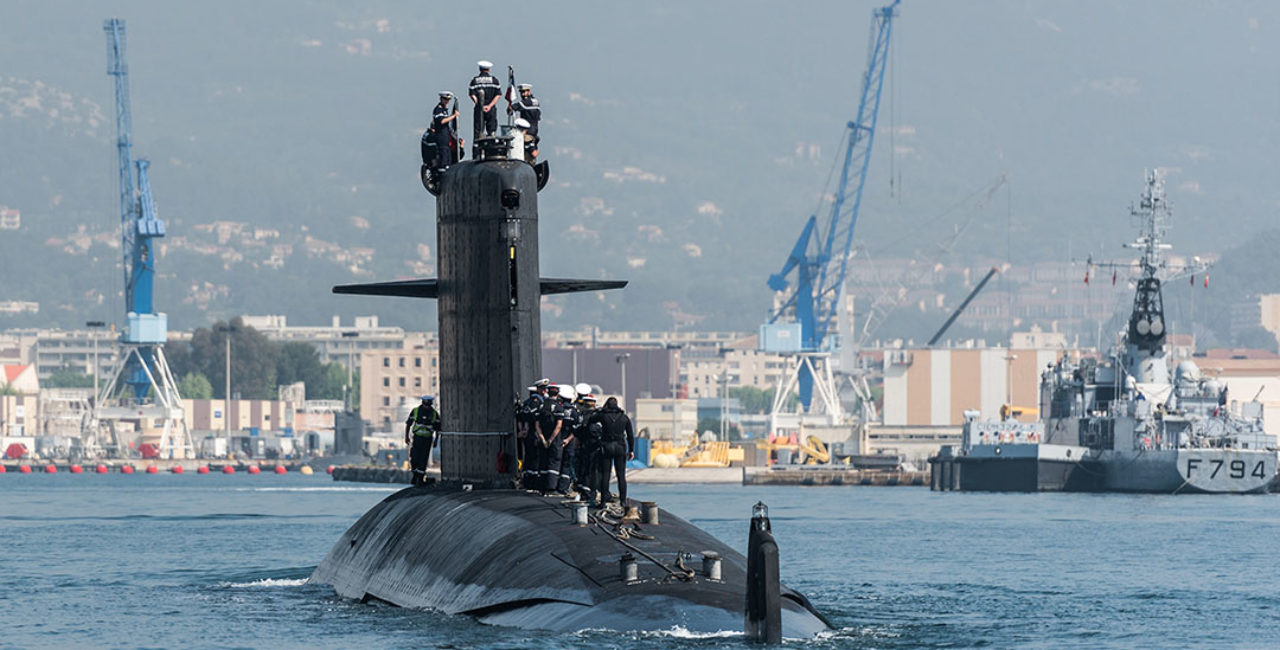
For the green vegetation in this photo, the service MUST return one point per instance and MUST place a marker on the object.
(194, 385)
(258, 366)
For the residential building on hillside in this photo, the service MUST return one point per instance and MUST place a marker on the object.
(10, 218)
(19, 307)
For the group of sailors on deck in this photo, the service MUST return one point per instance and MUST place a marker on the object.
(441, 145)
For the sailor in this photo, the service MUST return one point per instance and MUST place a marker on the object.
(618, 442)
(546, 440)
(526, 413)
(530, 111)
(587, 440)
(485, 90)
(571, 421)
(419, 433)
(443, 130)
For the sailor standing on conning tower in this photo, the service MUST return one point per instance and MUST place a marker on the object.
(530, 111)
(485, 90)
(443, 129)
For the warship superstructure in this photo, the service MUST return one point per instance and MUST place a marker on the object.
(1127, 422)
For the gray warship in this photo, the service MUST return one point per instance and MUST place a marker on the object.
(476, 544)
(1127, 422)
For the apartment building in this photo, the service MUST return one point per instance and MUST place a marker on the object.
(393, 380)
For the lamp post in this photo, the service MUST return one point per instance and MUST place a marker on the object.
(724, 406)
(675, 411)
(622, 361)
(350, 388)
(226, 398)
(93, 325)
(573, 347)
(675, 389)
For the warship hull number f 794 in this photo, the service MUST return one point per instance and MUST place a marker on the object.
(1228, 469)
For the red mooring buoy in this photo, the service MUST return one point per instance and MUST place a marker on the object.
(101, 469)
(24, 469)
(281, 469)
(126, 469)
(228, 470)
(254, 469)
(177, 469)
(203, 469)
(76, 469)
(50, 469)
(152, 469)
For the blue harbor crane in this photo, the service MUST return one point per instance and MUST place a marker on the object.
(819, 259)
(139, 226)
(150, 392)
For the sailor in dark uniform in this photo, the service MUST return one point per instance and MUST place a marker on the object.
(485, 90)
(546, 442)
(526, 421)
(570, 420)
(587, 441)
(528, 109)
(443, 125)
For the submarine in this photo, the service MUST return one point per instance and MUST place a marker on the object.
(474, 542)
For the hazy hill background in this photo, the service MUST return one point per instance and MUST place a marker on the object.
(688, 142)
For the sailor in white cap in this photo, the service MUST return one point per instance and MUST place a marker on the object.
(420, 433)
(444, 129)
(526, 415)
(530, 111)
(485, 90)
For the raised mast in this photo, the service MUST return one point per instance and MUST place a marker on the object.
(1145, 335)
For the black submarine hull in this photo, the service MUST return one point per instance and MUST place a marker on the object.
(512, 558)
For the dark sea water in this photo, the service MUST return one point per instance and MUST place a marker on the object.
(221, 561)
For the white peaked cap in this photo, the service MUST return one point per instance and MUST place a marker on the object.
(582, 388)
(524, 124)
(484, 64)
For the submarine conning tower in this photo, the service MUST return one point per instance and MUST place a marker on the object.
(490, 294)
(490, 336)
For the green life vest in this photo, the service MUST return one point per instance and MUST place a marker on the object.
(426, 425)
